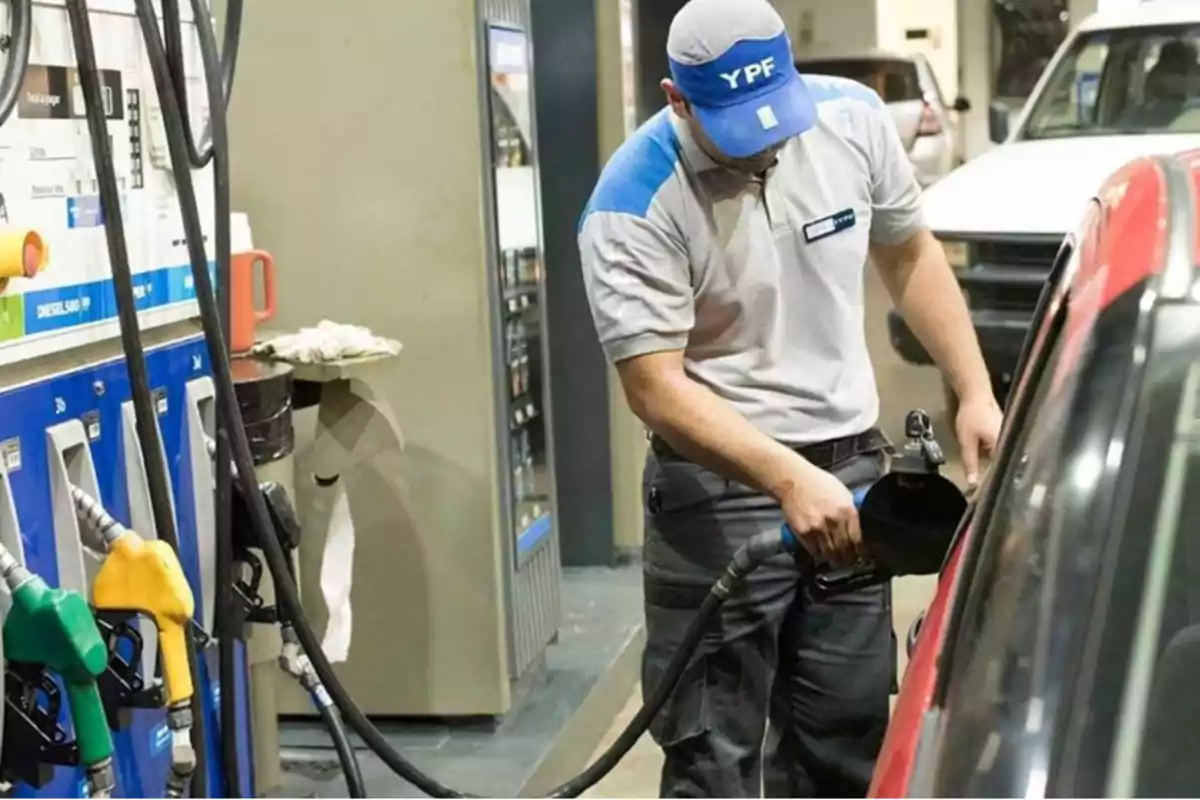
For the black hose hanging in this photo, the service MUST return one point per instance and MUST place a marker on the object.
(222, 506)
(149, 439)
(20, 35)
(201, 152)
(355, 787)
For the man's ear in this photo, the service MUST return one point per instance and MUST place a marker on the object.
(676, 99)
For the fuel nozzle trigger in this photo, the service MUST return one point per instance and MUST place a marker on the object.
(122, 687)
(34, 741)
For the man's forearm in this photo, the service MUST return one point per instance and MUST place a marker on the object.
(924, 290)
(707, 430)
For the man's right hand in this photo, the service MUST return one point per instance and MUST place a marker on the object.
(820, 510)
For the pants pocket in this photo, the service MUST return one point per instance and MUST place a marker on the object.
(687, 713)
(676, 487)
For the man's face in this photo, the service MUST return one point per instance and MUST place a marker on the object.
(751, 165)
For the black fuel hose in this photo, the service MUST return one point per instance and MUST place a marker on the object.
(355, 786)
(20, 36)
(227, 637)
(201, 152)
(746, 559)
(149, 437)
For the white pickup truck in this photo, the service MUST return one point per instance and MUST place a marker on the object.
(1124, 84)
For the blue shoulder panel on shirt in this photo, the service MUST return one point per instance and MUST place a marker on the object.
(824, 88)
(637, 170)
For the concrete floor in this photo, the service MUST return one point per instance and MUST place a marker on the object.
(902, 387)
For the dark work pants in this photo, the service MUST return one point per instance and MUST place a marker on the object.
(819, 672)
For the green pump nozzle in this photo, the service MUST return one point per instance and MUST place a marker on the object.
(54, 628)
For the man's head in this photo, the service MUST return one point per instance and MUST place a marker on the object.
(733, 80)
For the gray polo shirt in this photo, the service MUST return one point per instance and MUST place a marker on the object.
(759, 282)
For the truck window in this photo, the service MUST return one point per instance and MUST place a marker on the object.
(1121, 82)
(893, 79)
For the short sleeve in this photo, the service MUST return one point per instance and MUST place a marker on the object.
(895, 195)
(638, 284)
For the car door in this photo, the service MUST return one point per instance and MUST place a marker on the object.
(1017, 705)
(916, 717)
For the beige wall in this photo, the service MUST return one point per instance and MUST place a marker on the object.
(940, 19)
(820, 26)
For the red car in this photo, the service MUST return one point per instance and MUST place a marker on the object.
(1061, 653)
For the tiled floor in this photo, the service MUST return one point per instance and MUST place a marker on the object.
(902, 387)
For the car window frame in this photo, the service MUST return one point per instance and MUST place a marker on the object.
(1097, 416)
(925, 68)
(1049, 319)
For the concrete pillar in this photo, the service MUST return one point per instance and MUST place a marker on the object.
(1078, 9)
(616, 34)
(975, 72)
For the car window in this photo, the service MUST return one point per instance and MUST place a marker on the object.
(894, 80)
(1156, 750)
(1119, 82)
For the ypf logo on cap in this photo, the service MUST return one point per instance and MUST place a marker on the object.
(747, 75)
(732, 61)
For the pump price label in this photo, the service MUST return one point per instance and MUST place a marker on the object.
(160, 401)
(10, 451)
(91, 423)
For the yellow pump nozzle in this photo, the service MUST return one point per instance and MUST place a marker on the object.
(146, 576)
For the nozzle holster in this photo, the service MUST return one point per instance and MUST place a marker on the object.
(249, 572)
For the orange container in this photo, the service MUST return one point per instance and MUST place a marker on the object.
(244, 316)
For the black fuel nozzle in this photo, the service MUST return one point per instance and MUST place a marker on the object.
(248, 566)
(908, 517)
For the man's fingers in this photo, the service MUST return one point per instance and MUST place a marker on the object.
(970, 457)
(854, 532)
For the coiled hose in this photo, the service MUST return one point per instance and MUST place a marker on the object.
(200, 152)
(20, 36)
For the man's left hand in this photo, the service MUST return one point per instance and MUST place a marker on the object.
(978, 430)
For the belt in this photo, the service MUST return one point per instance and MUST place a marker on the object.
(822, 454)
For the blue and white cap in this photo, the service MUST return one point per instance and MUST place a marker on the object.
(732, 60)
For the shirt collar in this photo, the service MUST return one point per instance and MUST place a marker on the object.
(695, 157)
